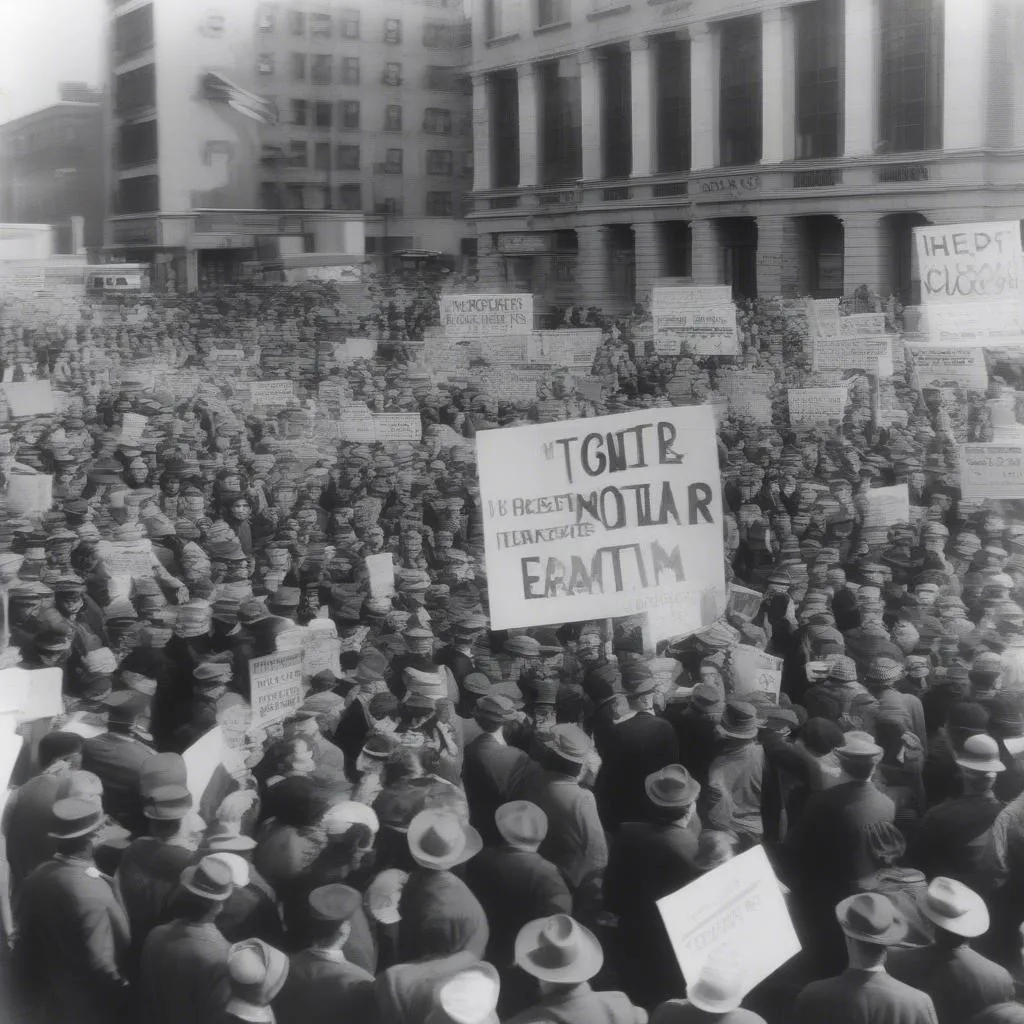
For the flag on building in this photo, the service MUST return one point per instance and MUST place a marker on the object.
(218, 89)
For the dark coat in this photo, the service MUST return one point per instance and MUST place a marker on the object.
(117, 758)
(184, 974)
(696, 739)
(863, 997)
(322, 990)
(950, 840)
(679, 1011)
(581, 1005)
(490, 771)
(28, 818)
(460, 663)
(251, 912)
(73, 942)
(405, 993)
(960, 981)
(439, 913)
(633, 749)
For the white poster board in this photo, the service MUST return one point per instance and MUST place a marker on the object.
(275, 686)
(202, 759)
(131, 428)
(734, 915)
(969, 262)
(754, 672)
(992, 471)
(809, 407)
(29, 493)
(467, 316)
(381, 571)
(272, 392)
(398, 426)
(30, 398)
(702, 318)
(940, 366)
(609, 516)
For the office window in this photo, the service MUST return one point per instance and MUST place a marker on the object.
(133, 32)
(320, 26)
(298, 154)
(618, 118)
(392, 73)
(347, 158)
(322, 114)
(392, 118)
(819, 59)
(740, 92)
(320, 72)
(393, 162)
(441, 79)
(349, 70)
(138, 195)
(349, 21)
(505, 131)
(494, 19)
(298, 67)
(136, 144)
(437, 36)
(348, 114)
(439, 161)
(297, 23)
(551, 12)
(912, 56)
(439, 204)
(295, 197)
(265, 64)
(561, 122)
(672, 100)
(135, 90)
(322, 156)
(393, 30)
(300, 113)
(266, 19)
(271, 156)
(437, 121)
(350, 197)
(270, 196)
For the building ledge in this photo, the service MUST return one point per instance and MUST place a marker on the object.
(555, 26)
(501, 40)
(609, 12)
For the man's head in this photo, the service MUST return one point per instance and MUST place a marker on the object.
(870, 924)
(60, 748)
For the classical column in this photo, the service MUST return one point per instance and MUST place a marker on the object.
(647, 247)
(706, 259)
(770, 239)
(966, 72)
(591, 114)
(641, 71)
(592, 278)
(703, 97)
(865, 253)
(489, 262)
(862, 85)
(778, 86)
(482, 176)
(529, 125)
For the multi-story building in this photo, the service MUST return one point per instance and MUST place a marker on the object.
(776, 146)
(51, 167)
(374, 111)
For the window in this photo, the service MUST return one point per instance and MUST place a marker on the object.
(551, 12)
(439, 204)
(494, 20)
(267, 17)
(348, 158)
(505, 120)
(350, 197)
(437, 36)
(350, 70)
(672, 92)
(561, 121)
(439, 161)
(439, 78)
(912, 56)
(295, 197)
(393, 30)
(135, 90)
(320, 70)
(437, 120)
(393, 162)
(617, 136)
(740, 92)
(299, 112)
(392, 74)
(677, 248)
(322, 156)
(136, 144)
(271, 156)
(322, 115)
(265, 64)
(349, 24)
(348, 114)
(270, 196)
(467, 163)
(392, 118)
(320, 26)
(138, 195)
(133, 32)
(297, 23)
(819, 58)
(298, 154)
(298, 67)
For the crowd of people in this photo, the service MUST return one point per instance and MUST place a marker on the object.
(460, 825)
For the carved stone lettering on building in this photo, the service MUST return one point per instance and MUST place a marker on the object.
(734, 183)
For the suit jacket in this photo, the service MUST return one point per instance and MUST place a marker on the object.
(184, 974)
(863, 997)
(951, 839)
(679, 1011)
(323, 990)
(405, 993)
(581, 1005)
(73, 941)
(118, 759)
(489, 772)
(28, 817)
(633, 749)
(960, 981)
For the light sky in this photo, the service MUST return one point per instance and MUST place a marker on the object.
(43, 42)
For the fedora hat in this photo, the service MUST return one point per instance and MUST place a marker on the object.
(739, 721)
(522, 824)
(168, 803)
(980, 753)
(871, 917)
(558, 949)
(74, 818)
(953, 907)
(859, 746)
(469, 997)
(671, 788)
(716, 989)
(439, 840)
(210, 879)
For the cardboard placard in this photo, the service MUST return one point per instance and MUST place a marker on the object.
(810, 407)
(275, 686)
(744, 602)
(132, 427)
(976, 262)
(466, 316)
(398, 426)
(30, 694)
(754, 672)
(381, 571)
(272, 392)
(992, 470)
(128, 558)
(572, 347)
(30, 398)
(885, 507)
(29, 493)
(939, 366)
(202, 759)
(702, 318)
(871, 354)
(860, 324)
(322, 656)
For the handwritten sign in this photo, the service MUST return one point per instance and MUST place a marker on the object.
(608, 516)
(398, 426)
(29, 493)
(992, 470)
(942, 366)
(991, 324)
(743, 602)
(754, 672)
(128, 558)
(30, 398)
(321, 655)
(475, 315)
(381, 571)
(702, 318)
(871, 354)
(272, 392)
(809, 407)
(858, 324)
(885, 507)
(735, 915)
(969, 262)
(275, 686)
(131, 428)
(572, 347)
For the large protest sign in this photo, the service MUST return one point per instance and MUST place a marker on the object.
(702, 318)
(602, 517)
(992, 324)
(29, 493)
(132, 427)
(31, 694)
(885, 507)
(735, 916)
(754, 672)
(936, 365)
(517, 382)
(744, 602)
(381, 572)
(573, 347)
(275, 686)
(810, 407)
(321, 654)
(992, 470)
(272, 392)
(871, 354)
(476, 315)
(30, 398)
(128, 558)
(398, 426)
(202, 759)
(859, 324)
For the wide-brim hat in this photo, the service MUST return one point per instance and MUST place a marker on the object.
(74, 818)
(716, 990)
(953, 907)
(739, 720)
(440, 841)
(671, 788)
(871, 917)
(210, 879)
(558, 949)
